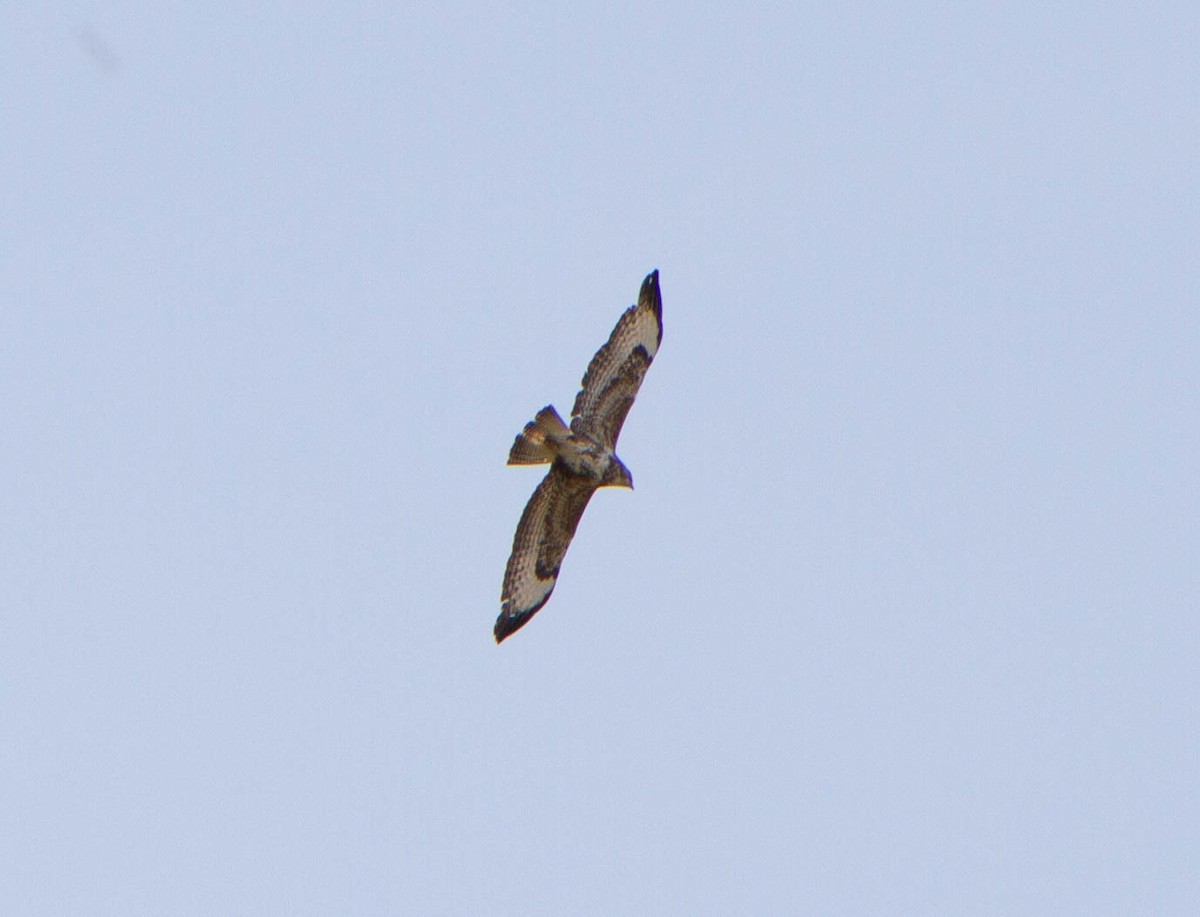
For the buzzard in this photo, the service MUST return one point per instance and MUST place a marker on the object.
(581, 458)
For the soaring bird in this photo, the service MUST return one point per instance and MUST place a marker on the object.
(582, 458)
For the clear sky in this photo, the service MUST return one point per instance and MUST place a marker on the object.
(902, 617)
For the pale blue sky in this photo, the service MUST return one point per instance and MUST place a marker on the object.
(902, 616)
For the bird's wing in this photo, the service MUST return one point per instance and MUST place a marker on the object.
(543, 536)
(615, 374)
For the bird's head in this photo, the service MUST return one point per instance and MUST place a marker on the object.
(617, 475)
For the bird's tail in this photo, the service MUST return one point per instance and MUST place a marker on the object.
(537, 444)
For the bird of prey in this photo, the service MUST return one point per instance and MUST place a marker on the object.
(581, 458)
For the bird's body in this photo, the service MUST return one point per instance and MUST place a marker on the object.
(582, 458)
(548, 439)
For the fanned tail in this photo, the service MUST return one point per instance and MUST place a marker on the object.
(536, 444)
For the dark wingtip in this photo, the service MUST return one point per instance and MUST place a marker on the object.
(650, 285)
(651, 294)
(507, 625)
(510, 622)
